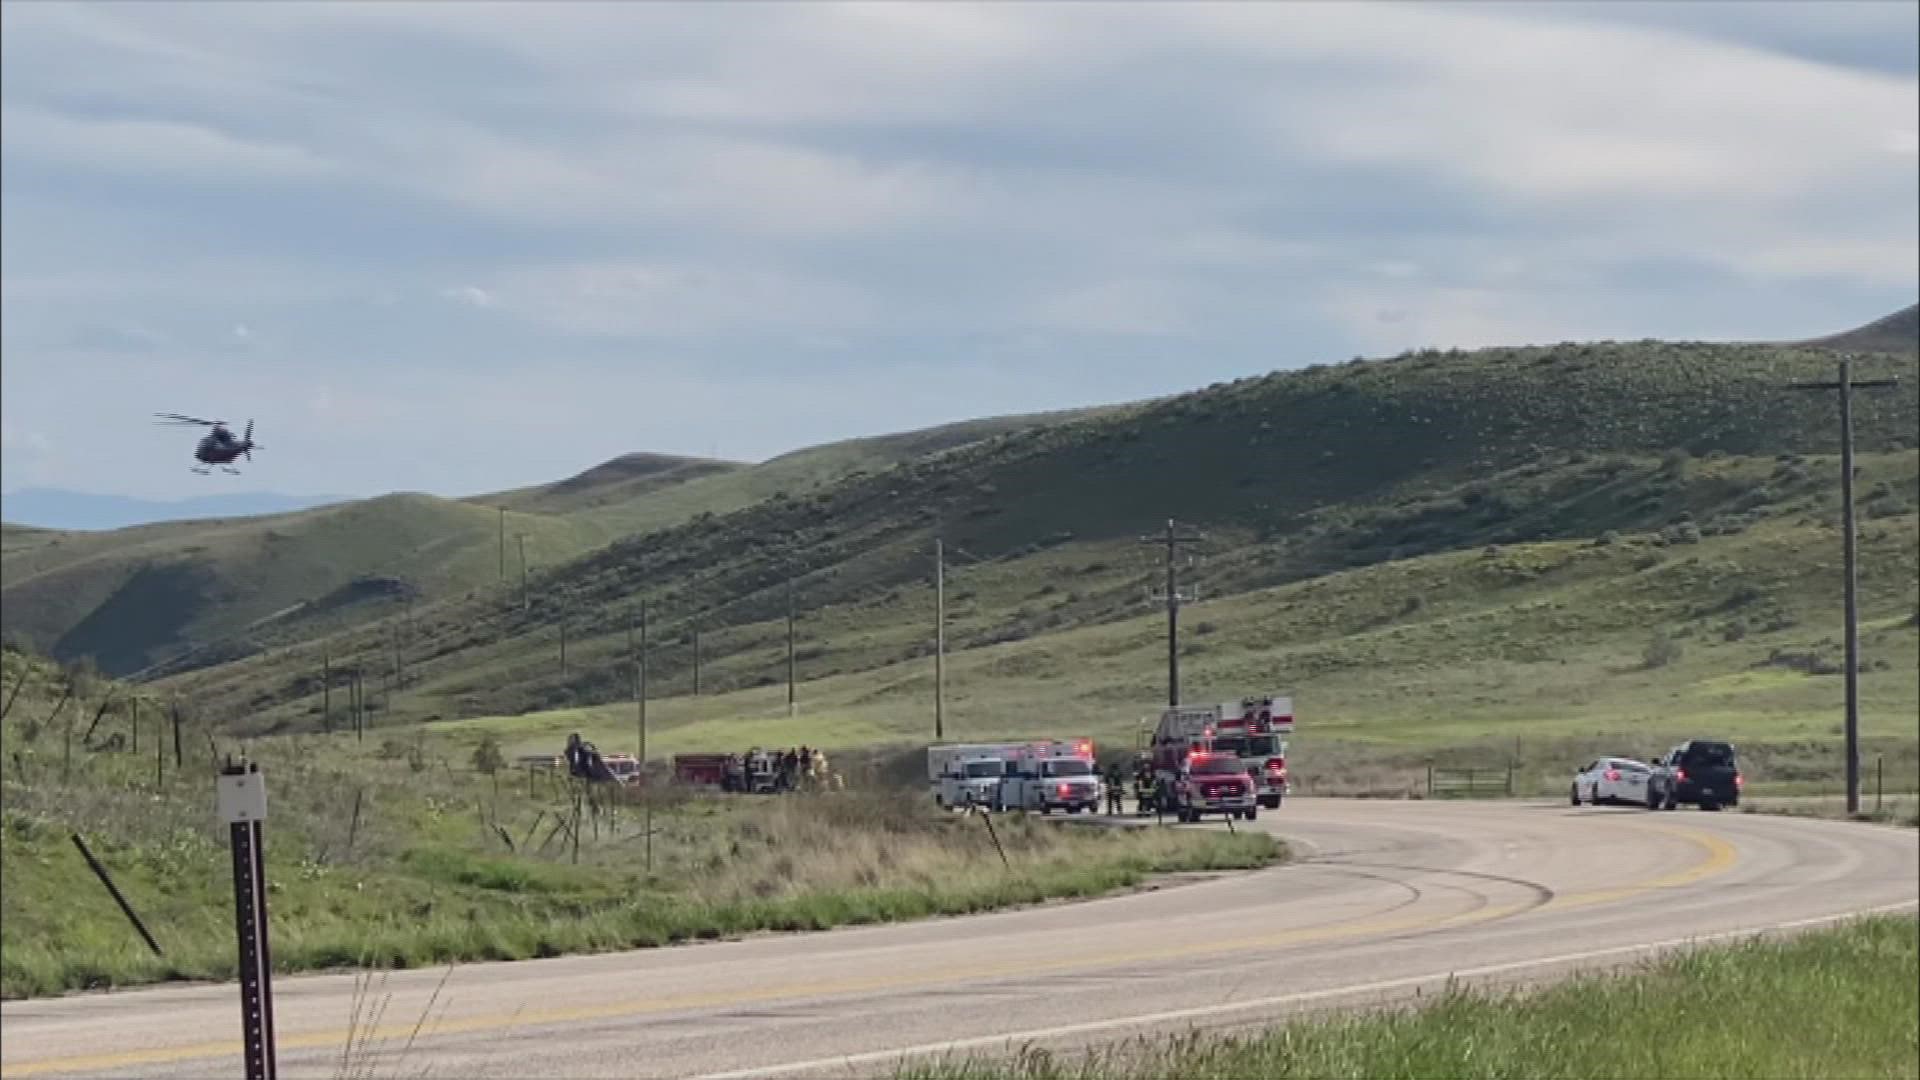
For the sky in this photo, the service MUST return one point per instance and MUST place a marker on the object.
(461, 247)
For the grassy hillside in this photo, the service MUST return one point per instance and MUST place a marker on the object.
(1896, 333)
(199, 591)
(394, 853)
(135, 597)
(627, 477)
(1295, 475)
(1549, 650)
(722, 490)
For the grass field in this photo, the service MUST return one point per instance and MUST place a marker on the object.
(1535, 655)
(390, 854)
(1843, 1002)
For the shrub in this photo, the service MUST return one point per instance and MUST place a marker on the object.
(487, 756)
(1660, 651)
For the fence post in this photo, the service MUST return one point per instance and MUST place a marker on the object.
(126, 908)
(1509, 779)
(1879, 782)
(1429, 779)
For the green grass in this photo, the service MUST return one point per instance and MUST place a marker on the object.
(1533, 654)
(1843, 1002)
(396, 854)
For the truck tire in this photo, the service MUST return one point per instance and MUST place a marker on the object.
(1271, 802)
(1253, 813)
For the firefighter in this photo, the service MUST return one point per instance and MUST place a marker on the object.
(1116, 787)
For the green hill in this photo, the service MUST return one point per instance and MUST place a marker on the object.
(1896, 333)
(610, 483)
(194, 592)
(1294, 475)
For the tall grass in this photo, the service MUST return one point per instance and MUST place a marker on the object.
(382, 859)
(1834, 1003)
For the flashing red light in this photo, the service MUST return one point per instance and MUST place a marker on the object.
(1064, 789)
(1680, 775)
(1613, 774)
(1739, 781)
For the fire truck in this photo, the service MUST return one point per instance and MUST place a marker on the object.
(1248, 731)
(1052, 775)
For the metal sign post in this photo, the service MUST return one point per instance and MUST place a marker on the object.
(243, 806)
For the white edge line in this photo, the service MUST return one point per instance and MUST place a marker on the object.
(1145, 1019)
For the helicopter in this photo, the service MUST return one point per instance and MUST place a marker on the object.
(216, 447)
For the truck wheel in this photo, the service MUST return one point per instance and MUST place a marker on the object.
(1271, 802)
(1253, 812)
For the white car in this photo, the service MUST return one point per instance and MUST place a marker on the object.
(1611, 779)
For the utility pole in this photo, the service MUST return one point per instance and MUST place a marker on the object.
(1173, 539)
(522, 537)
(939, 638)
(326, 691)
(1849, 547)
(639, 658)
(503, 545)
(792, 707)
(696, 661)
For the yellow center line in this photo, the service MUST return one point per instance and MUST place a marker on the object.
(1721, 857)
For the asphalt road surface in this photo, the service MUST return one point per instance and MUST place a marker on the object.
(1386, 899)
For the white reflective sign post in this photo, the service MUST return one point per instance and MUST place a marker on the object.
(243, 806)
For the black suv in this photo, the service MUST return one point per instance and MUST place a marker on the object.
(1699, 771)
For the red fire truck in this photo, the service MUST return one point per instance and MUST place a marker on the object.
(1249, 731)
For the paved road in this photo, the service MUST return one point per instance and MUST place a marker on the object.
(1388, 898)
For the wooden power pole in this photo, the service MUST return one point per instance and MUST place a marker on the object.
(1846, 384)
(939, 638)
(638, 655)
(1173, 539)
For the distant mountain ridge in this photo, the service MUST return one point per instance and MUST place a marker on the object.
(59, 508)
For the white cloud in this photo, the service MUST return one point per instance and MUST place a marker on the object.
(471, 295)
(151, 148)
(1129, 306)
(666, 199)
(640, 299)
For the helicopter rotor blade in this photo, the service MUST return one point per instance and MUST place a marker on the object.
(177, 418)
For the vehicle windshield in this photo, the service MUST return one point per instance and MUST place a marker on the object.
(1629, 766)
(1709, 754)
(985, 768)
(1067, 767)
(1214, 766)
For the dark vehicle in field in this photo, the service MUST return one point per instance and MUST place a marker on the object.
(1703, 772)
